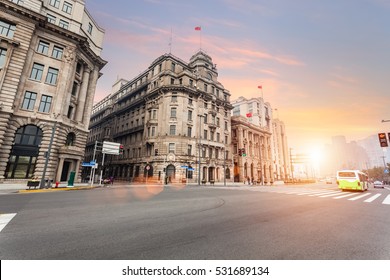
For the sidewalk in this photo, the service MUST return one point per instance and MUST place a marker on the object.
(22, 187)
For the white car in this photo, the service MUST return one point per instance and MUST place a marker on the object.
(378, 184)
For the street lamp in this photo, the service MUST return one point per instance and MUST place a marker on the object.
(199, 146)
(385, 120)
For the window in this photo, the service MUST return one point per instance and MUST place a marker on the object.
(173, 112)
(172, 129)
(205, 134)
(210, 152)
(43, 47)
(174, 98)
(3, 55)
(189, 150)
(216, 153)
(70, 112)
(29, 100)
(173, 66)
(211, 136)
(90, 27)
(55, 3)
(190, 115)
(189, 131)
(57, 52)
(64, 24)
(74, 89)
(154, 114)
(70, 139)
(52, 75)
(51, 18)
(7, 29)
(205, 118)
(217, 121)
(171, 148)
(218, 137)
(226, 125)
(190, 101)
(172, 81)
(67, 7)
(37, 71)
(45, 104)
(153, 131)
(205, 87)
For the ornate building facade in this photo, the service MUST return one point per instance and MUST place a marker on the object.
(258, 141)
(49, 66)
(173, 121)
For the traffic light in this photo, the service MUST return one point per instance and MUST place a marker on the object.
(243, 152)
(156, 152)
(240, 152)
(121, 148)
(383, 140)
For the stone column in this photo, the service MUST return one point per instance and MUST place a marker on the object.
(59, 170)
(82, 95)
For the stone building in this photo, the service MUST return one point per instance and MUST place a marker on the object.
(281, 155)
(49, 66)
(252, 141)
(173, 120)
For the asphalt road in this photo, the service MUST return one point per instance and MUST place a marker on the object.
(133, 223)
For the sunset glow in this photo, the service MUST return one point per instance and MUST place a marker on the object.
(322, 64)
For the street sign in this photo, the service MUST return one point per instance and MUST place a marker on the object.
(111, 148)
(184, 166)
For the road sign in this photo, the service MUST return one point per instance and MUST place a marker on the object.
(184, 166)
(111, 148)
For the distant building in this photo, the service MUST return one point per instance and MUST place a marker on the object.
(49, 66)
(173, 120)
(376, 155)
(342, 155)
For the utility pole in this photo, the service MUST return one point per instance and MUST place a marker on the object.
(292, 166)
(199, 146)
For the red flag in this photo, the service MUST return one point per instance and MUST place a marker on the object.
(248, 115)
(198, 28)
(260, 87)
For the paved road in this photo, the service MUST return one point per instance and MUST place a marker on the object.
(301, 222)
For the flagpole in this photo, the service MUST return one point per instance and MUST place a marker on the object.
(261, 89)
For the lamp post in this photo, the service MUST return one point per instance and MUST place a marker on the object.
(199, 146)
(47, 156)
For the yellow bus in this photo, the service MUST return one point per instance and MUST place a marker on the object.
(352, 180)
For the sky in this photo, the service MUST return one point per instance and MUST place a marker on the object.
(324, 65)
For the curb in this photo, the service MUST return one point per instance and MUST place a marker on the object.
(57, 189)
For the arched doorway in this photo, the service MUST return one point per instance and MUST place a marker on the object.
(170, 173)
(24, 153)
(211, 174)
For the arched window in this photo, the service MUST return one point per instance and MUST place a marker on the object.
(23, 158)
(70, 139)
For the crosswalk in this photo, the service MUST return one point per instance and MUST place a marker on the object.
(366, 197)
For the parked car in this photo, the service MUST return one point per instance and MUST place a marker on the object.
(378, 184)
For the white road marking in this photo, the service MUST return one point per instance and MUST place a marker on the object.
(360, 196)
(5, 219)
(387, 200)
(372, 198)
(342, 196)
